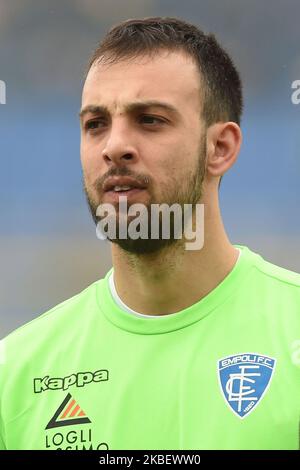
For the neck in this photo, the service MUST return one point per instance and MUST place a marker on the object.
(175, 278)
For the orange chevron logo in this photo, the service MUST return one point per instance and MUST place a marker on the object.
(69, 412)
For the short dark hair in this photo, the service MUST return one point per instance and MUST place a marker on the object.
(221, 84)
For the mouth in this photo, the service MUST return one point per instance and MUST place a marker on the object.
(116, 187)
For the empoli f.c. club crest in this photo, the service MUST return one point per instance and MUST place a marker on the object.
(244, 379)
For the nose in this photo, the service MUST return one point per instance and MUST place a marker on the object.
(119, 148)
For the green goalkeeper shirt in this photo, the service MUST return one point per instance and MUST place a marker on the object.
(223, 373)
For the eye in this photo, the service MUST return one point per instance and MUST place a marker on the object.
(93, 124)
(148, 119)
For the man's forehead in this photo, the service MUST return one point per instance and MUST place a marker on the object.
(173, 78)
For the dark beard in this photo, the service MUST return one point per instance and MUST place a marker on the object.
(187, 192)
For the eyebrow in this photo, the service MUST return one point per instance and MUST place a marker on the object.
(130, 107)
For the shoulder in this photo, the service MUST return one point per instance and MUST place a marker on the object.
(277, 274)
(269, 280)
(49, 324)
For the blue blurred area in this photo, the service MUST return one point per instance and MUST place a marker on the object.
(41, 173)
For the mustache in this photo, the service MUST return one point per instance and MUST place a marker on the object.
(99, 182)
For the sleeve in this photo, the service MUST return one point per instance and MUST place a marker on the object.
(2, 361)
(2, 445)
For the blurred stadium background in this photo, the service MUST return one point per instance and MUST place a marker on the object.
(48, 246)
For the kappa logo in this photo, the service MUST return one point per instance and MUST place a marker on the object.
(69, 412)
(63, 383)
(244, 379)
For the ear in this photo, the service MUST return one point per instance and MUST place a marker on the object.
(223, 145)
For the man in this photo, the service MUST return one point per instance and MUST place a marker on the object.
(176, 348)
